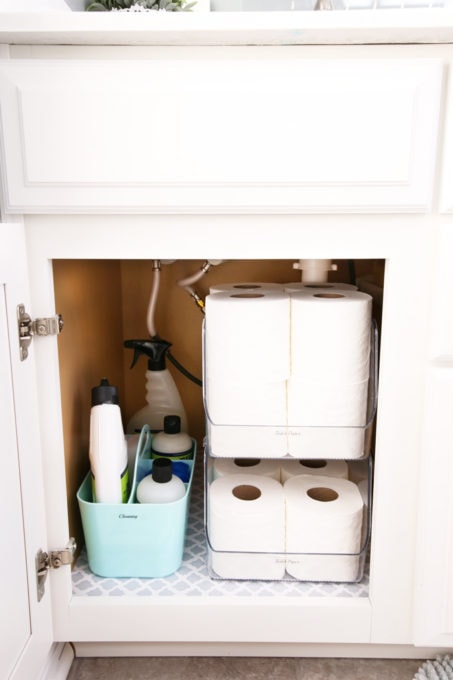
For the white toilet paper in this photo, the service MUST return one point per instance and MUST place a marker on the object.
(323, 528)
(328, 388)
(326, 468)
(246, 365)
(244, 287)
(245, 402)
(250, 466)
(247, 337)
(328, 404)
(246, 527)
(327, 286)
(330, 336)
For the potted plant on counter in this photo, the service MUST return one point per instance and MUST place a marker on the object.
(139, 5)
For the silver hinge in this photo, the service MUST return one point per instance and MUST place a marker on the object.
(28, 327)
(53, 560)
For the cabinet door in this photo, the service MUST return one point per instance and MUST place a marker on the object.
(434, 564)
(220, 132)
(446, 182)
(25, 624)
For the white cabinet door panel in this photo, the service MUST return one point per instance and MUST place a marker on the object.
(15, 627)
(219, 134)
(433, 598)
(441, 344)
(26, 628)
(446, 182)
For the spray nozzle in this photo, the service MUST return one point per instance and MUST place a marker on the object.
(155, 349)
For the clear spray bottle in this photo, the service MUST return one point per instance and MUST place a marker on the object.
(162, 395)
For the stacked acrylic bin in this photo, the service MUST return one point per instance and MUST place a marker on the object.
(317, 523)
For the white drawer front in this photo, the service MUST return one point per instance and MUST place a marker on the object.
(230, 135)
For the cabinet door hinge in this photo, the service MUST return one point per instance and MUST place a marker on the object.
(52, 560)
(28, 327)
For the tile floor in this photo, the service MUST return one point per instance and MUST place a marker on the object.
(241, 668)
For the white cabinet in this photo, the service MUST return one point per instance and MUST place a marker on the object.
(434, 583)
(258, 155)
(220, 131)
(446, 192)
(382, 612)
(26, 629)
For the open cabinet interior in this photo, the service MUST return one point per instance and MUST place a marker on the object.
(105, 302)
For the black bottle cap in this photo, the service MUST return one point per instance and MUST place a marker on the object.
(104, 393)
(172, 424)
(162, 471)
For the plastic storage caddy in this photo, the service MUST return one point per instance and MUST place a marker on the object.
(335, 567)
(134, 539)
(277, 440)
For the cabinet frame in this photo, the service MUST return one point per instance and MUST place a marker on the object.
(386, 616)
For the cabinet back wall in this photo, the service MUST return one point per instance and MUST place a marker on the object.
(103, 303)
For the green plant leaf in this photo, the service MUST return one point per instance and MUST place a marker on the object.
(167, 5)
(96, 7)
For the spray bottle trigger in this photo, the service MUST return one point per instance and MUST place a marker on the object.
(137, 354)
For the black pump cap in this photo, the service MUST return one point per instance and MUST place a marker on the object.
(162, 471)
(172, 424)
(155, 349)
(104, 393)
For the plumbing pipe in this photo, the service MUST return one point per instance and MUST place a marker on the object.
(315, 271)
(150, 322)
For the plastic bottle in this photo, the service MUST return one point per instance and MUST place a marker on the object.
(161, 486)
(108, 448)
(162, 395)
(171, 442)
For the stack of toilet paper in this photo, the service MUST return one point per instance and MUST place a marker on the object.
(309, 526)
(286, 370)
(247, 365)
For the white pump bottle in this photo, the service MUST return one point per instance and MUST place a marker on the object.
(108, 448)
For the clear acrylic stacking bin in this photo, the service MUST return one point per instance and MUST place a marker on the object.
(338, 567)
(135, 539)
(275, 440)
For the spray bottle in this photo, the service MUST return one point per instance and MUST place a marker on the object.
(108, 449)
(162, 395)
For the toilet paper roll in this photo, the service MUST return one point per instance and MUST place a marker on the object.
(330, 336)
(326, 403)
(246, 403)
(251, 466)
(323, 528)
(246, 527)
(244, 287)
(247, 337)
(326, 468)
(363, 487)
(327, 286)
